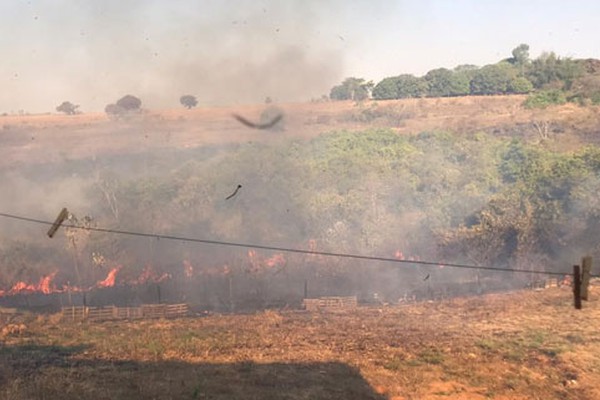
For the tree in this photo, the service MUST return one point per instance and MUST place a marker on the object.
(493, 79)
(549, 71)
(352, 89)
(400, 87)
(444, 83)
(129, 103)
(114, 110)
(68, 108)
(520, 85)
(188, 101)
(520, 55)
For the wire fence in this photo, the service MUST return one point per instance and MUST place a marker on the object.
(289, 249)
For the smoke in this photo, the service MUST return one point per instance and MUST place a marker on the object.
(93, 53)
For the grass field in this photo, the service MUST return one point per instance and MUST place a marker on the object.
(51, 138)
(524, 345)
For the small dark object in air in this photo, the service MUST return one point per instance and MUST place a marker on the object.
(251, 124)
(427, 277)
(64, 214)
(234, 193)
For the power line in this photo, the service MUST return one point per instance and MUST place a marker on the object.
(286, 249)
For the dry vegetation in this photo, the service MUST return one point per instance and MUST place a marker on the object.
(526, 345)
(52, 138)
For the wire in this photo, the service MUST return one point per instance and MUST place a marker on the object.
(288, 250)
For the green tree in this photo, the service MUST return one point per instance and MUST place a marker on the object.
(443, 83)
(552, 72)
(493, 79)
(520, 55)
(520, 85)
(352, 89)
(400, 87)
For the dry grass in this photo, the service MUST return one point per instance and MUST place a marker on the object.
(527, 345)
(52, 138)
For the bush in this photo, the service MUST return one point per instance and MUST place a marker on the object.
(129, 103)
(520, 85)
(545, 98)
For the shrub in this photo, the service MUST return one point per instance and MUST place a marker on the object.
(545, 98)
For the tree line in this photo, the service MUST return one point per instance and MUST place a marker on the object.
(578, 79)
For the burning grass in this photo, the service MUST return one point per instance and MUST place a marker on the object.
(519, 346)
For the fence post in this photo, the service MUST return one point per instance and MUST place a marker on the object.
(577, 286)
(158, 293)
(586, 268)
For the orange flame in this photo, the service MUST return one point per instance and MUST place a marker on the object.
(275, 261)
(44, 286)
(148, 275)
(110, 278)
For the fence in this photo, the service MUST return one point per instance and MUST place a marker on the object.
(146, 311)
(330, 303)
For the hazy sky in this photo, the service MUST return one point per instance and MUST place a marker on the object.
(93, 52)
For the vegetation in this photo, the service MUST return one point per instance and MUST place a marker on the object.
(126, 105)
(435, 195)
(129, 103)
(545, 98)
(577, 79)
(352, 89)
(68, 108)
(188, 101)
(486, 347)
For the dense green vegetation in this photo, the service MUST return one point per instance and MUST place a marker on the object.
(549, 74)
(439, 196)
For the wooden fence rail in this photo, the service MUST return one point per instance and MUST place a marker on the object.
(330, 303)
(146, 311)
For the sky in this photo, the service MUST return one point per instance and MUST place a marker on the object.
(233, 52)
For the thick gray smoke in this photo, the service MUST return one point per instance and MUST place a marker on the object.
(92, 53)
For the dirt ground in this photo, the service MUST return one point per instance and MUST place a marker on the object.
(523, 345)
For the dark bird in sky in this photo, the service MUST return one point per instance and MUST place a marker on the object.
(251, 124)
(234, 193)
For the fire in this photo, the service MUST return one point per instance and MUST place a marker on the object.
(275, 261)
(258, 263)
(44, 286)
(148, 275)
(109, 281)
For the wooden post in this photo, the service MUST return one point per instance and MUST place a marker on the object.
(230, 293)
(306, 288)
(586, 270)
(577, 286)
(158, 293)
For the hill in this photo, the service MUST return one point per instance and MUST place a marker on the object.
(53, 138)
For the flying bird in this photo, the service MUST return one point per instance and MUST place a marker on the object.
(251, 124)
(234, 193)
